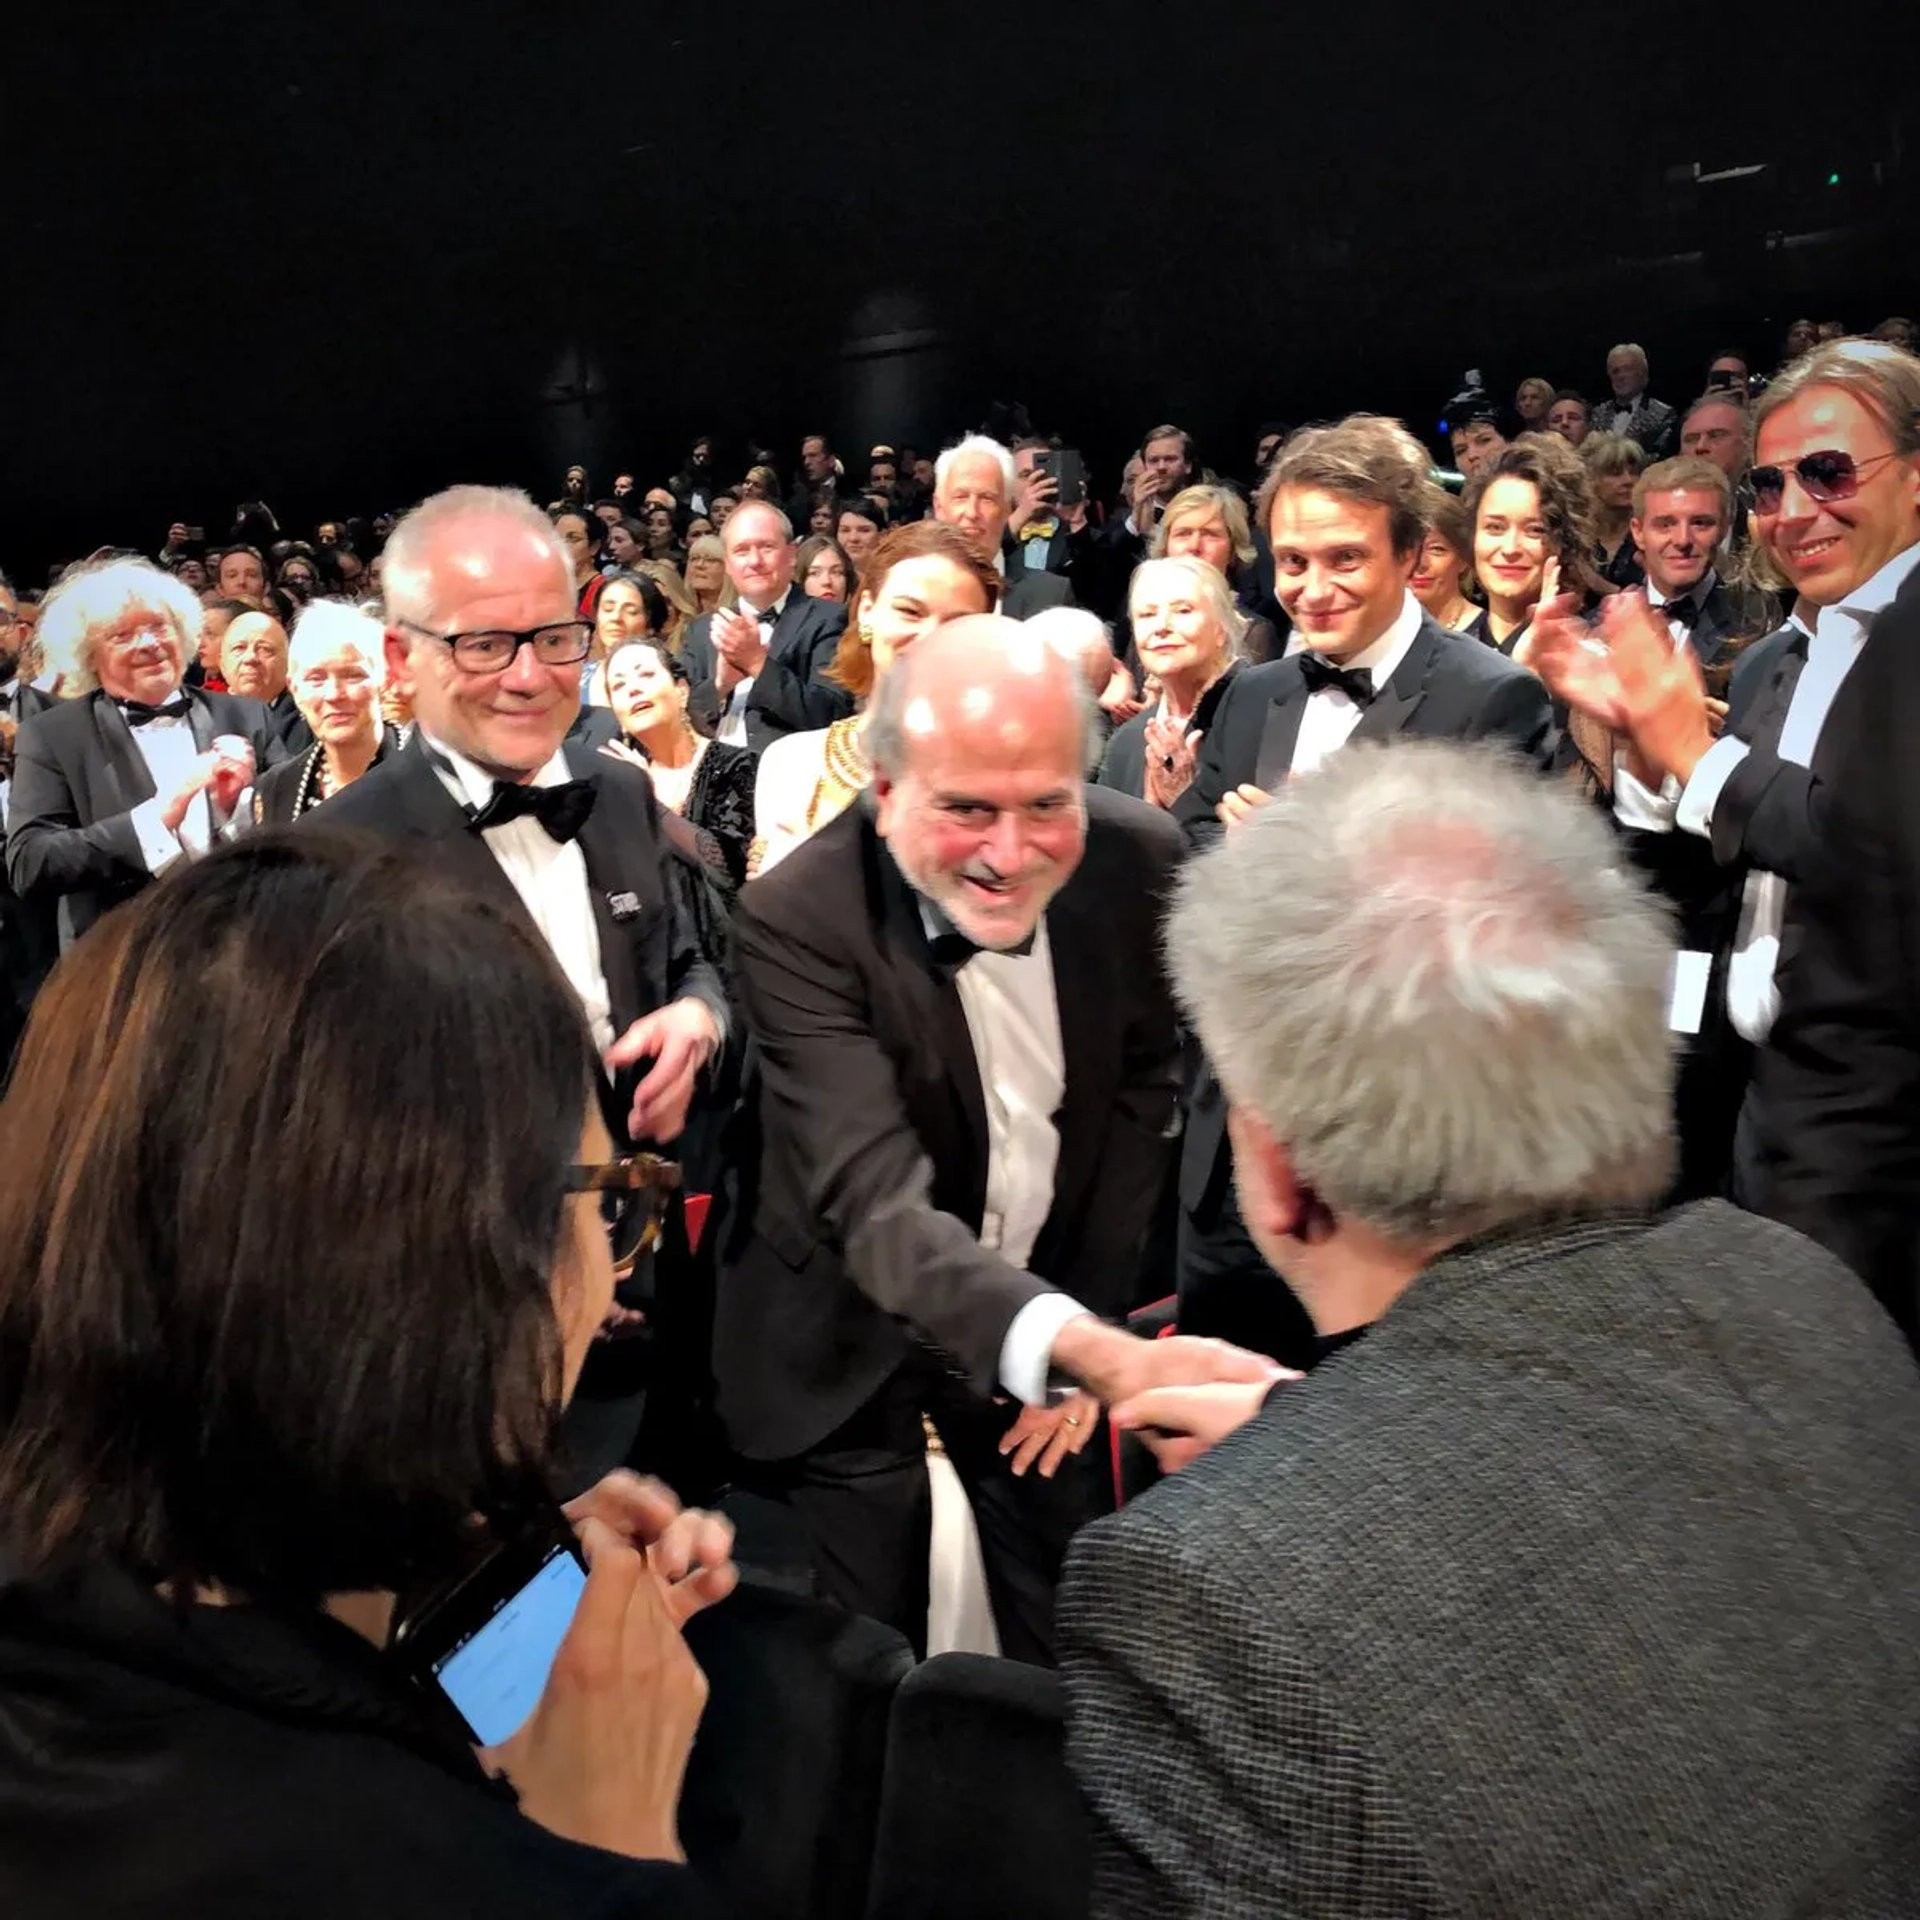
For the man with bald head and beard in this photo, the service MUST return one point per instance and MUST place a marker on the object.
(969, 1068)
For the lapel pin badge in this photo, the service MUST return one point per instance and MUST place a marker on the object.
(624, 906)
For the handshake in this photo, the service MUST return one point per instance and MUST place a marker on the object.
(1182, 1395)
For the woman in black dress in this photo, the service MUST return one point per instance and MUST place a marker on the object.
(336, 666)
(705, 786)
(1532, 517)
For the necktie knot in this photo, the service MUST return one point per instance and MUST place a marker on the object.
(1323, 676)
(561, 810)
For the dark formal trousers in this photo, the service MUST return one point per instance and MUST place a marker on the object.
(863, 1499)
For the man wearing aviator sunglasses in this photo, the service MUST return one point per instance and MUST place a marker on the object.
(1836, 482)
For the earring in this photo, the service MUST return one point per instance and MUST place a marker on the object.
(866, 635)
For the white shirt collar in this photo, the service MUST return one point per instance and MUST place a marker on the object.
(776, 610)
(1697, 594)
(1383, 658)
(1873, 597)
(471, 786)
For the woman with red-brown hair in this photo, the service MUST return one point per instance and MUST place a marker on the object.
(917, 576)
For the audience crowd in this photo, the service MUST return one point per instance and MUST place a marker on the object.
(1237, 1152)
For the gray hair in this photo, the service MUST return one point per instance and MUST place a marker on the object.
(976, 443)
(330, 627)
(1080, 637)
(1885, 379)
(885, 735)
(1633, 347)
(754, 504)
(1206, 584)
(1436, 981)
(406, 574)
(95, 595)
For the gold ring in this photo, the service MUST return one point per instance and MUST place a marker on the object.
(1071, 1421)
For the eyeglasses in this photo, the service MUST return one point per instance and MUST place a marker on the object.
(492, 649)
(1826, 476)
(633, 1192)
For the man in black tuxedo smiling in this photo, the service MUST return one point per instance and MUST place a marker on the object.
(483, 636)
(1343, 508)
(968, 1060)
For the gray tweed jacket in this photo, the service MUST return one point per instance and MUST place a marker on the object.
(1587, 1584)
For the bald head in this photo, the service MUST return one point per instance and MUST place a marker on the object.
(979, 740)
(253, 657)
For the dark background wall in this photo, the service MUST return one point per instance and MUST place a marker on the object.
(341, 257)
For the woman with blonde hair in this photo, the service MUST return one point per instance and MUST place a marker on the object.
(680, 603)
(1210, 523)
(706, 573)
(918, 576)
(1613, 464)
(1187, 633)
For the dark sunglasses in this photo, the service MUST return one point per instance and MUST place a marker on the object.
(1826, 477)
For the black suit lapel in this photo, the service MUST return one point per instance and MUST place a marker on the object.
(613, 830)
(430, 812)
(1084, 992)
(1280, 734)
(1396, 703)
(1711, 628)
(124, 773)
(785, 638)
(935, 1011)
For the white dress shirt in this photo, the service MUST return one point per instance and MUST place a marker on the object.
(1013, 1019)
(549, 875)
(168, 747)
(1836, 638)
(733, 722)
(1331, 717)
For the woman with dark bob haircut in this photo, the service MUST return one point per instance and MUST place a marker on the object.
(288, 1318)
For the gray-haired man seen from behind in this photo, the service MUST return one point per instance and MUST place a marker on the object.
(1588, 1581)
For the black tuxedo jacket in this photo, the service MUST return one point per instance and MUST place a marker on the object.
(855, 1242)
(789, 695)
(647, 949)
(1837, 1107)
(1030, 593)
(279, 787)
(1068, 554)
(77, 777)
(1446, 688)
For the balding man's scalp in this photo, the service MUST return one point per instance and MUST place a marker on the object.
(979, 669)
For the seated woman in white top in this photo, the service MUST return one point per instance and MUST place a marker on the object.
(917, 576)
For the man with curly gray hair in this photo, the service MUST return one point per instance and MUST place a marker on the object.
(137, 772)
(1588, 1580)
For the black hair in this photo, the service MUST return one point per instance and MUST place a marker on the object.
(269, 1322)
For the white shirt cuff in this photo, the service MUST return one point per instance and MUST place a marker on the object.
(1715, 768)
(1027, 1351)
(1639, 806)
(158, 848)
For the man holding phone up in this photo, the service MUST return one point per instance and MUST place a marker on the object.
(1048, 525)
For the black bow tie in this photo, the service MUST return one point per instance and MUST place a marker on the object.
(562, 810)
(1321, 675)
(1685, 611)
(951, 951)
(139, 713)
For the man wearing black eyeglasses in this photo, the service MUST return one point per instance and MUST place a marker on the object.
(482, 634)
(1747, 797)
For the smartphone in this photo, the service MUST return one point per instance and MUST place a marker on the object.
(481, 1647)
(1069, 470)
(197, 534)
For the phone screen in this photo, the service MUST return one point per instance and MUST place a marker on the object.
(495, 1676)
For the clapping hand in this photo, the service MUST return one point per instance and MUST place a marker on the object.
(1171, 754)
(1632, 678)
(741, 645)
